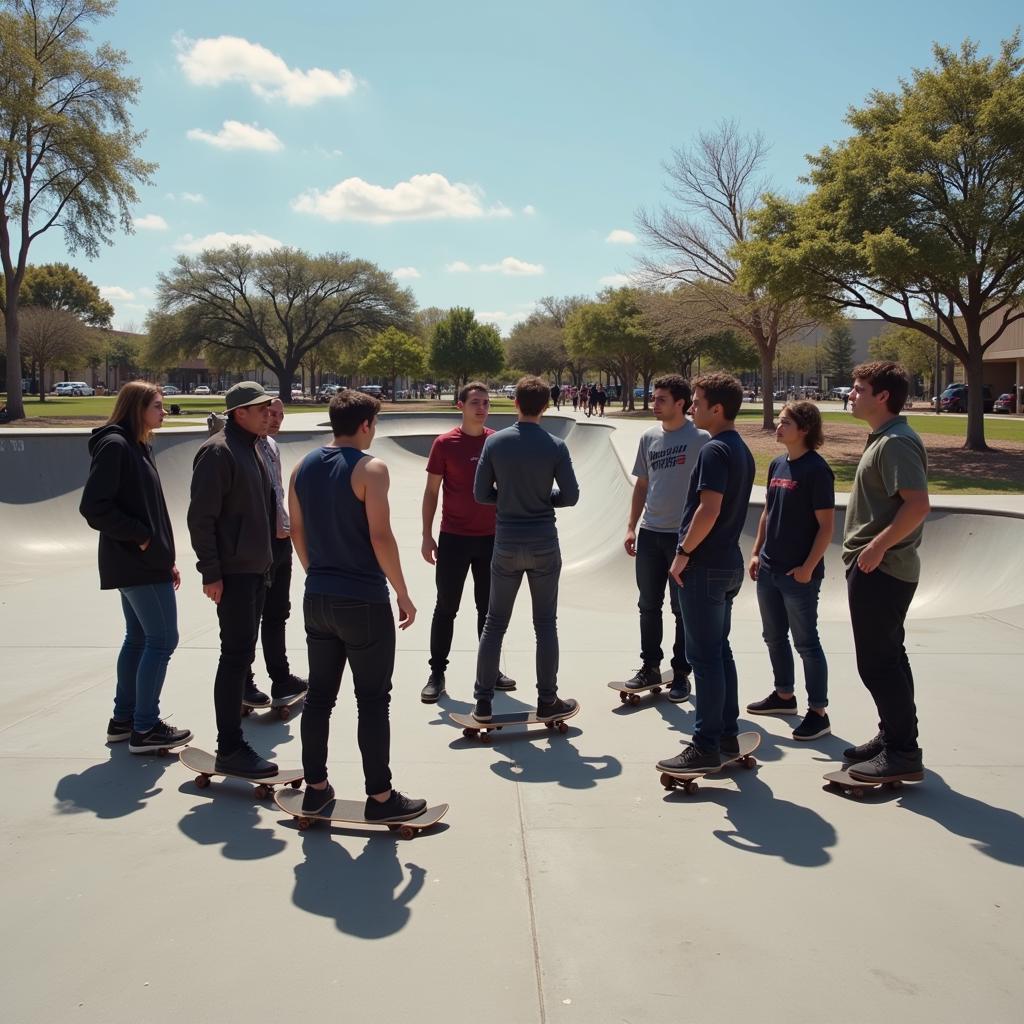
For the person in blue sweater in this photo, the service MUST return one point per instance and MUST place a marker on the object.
(527, 473)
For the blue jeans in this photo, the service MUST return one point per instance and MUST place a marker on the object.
(706, 601)
(787, 605)
(541, 563)
(151, 635)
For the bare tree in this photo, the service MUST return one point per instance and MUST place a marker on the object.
(717, 184)
(52, 337)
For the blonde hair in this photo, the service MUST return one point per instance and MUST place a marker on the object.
(133, 400)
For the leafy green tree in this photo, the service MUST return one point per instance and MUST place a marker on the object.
(69, 149)
(393, 354)
(462, 348)
(535, 346)
(912, 349)
(60, 286)
(837, 355)
(917, 217)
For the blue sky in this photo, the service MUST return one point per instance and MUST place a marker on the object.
(484, 152)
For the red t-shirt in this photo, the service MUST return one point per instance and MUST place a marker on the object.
(453, 457)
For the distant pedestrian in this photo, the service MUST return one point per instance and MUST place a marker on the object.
(602, 397)
(556, 395)
(575, 399)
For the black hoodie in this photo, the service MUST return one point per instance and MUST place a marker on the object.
(123, 499)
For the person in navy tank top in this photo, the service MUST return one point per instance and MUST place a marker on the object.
(341, 531)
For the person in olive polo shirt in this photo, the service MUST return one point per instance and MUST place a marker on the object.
(884, 523)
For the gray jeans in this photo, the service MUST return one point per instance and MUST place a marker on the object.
(541, 562)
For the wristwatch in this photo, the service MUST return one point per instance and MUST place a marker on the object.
(680, 550)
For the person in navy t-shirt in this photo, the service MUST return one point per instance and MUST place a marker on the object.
(788, 564)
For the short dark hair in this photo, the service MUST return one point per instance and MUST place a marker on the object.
(532, 395)
(473, 385)
(678, 385)
(886, 376)
(721, 389)
(349, 410)
(807, 418)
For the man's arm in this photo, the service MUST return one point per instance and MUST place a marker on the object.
(485, 484)
(912, 514)
(755, 554)
(636, 509)
(430, 494)
(568, 489)
(822, 539)
(298, 529)
(211, 479)
(703, 522)
(371, 475)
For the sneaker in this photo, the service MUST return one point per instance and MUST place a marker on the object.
(315, 800)
(813, 726)
(646, 675)
(889, 765)
(291, 687)
(160, 737)
(395, 808)
(691, 759)
(434, 688)
(680, 690)
(504, 683)
(865, 751)
(728, 746)
(556, 709)
(482, 711)
(773, 704)
(255, 697)
(117, 731)
(245, 762)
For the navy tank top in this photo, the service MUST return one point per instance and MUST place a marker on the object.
(341, 558)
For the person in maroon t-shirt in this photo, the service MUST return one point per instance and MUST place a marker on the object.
(466, 540)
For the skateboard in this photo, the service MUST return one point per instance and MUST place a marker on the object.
(471, 728)
(631, 694)
(205, 764)
(843, 781)
(687, 781)
(350, 812)
(281, 706)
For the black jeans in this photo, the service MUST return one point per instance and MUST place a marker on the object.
(239, 611)
(338, 630)
(654, 554)
(878, 609)
(276, 609)
(456, 556)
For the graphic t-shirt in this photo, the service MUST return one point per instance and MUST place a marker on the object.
(796, 490)
(453, 457)
(665, 459)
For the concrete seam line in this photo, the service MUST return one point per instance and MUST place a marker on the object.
(533, 917)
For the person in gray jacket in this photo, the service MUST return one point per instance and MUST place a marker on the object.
(231, 519)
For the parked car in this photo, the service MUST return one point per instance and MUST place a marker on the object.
(1005, 403)
(202, 389)
(328, 391)
(74, 388)
(371, 389)
(170, 389)
(954, 398)
(839, 393)
(509, 391)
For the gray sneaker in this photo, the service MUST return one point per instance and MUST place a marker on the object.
(434, 688)
(865, 751)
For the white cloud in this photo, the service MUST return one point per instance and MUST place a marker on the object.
(150, 222)
(115, 293)
(222, 239)
(512, 267)
(236, 135)
(422, 197)
(187, 197)
(233, 59)
(621, 237)
(502, 320)
(458, 267)
(614, 280)
(405, 272)
(529, 210)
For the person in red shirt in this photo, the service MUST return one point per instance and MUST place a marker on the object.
(466, 540)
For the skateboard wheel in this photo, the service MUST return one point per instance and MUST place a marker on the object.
(858, 793)
(407, 832)
(485, 736)
(469, 733)
(748, 762)
(896, 784)
(634, 699)
(262, 792)
(304, 823)
(295, 783)
(656, 689)
(246, 711)
(623, 697)
(549, 725)
(284, 714)
(668, 782)
(691, 786)
(202, 781)
(563, 728)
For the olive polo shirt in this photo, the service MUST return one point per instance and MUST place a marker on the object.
(894, 459)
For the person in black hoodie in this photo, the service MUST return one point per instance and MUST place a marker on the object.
(124, 501)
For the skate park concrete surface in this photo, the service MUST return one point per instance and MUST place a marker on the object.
(564, 884)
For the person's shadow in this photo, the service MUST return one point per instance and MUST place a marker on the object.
(364, 895)
(114, 788)
(555, 760)
(229, 820)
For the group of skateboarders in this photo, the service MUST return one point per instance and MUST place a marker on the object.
(499, 491)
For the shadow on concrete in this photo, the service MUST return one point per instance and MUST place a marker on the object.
(557, 760)
(114, 788)
(827, 749)
(364, 895)
(229, 818)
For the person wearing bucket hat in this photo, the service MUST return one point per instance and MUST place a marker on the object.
(232, 519)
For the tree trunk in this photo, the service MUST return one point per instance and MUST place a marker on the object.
(284, 383)
(39, 369)
(767, 399)
(975, 441)
(15, 402)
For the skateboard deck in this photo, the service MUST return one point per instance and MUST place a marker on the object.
(631, 694)
(687, 781)
(350, 812)
(281, 706)
(843, 781)
(471, 728)
(204, 765)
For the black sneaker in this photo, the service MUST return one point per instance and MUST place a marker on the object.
(646, 675)
(865, 751)
(291, 687)
(255, 697)
(890, 765)
(556, 709)
(434, 688)
(680, 690)
(691, 759)
(482, 711)
(395, 808)
(813, 726)
(117, 731)
(315, 800)
(728, 746)
(504, 683)
(160, 737)
(245, 762)
(773, 704)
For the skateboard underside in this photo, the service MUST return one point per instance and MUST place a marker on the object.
(350, 812)
(473, 729)
(843, 782)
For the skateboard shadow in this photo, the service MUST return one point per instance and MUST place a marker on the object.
(826, 750)
(268, 731)
(229, 820)
(364, 895)
(114, 788)
(556, 760)
(448, 706)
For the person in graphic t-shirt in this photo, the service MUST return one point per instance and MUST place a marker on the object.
(466, 541)
(788, 564)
